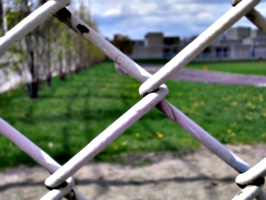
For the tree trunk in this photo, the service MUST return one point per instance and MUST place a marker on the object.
(49, 74)
(2, 30)
(34, 88)
(61, 72)
(34, 82)
(49, 80)
(77, 69)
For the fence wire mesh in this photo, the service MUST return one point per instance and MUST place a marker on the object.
(153, 90)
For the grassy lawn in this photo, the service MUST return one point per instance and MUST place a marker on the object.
(73, 112)
(255, 67)
(241, 67)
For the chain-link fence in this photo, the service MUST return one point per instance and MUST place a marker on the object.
(153, 91)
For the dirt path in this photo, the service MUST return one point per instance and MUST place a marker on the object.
(213, 77)
(200, 175)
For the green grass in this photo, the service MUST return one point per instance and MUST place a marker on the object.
(69, 115)
(241, 67)
(248, 67)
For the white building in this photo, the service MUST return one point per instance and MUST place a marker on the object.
(156, 46)
(239, 43)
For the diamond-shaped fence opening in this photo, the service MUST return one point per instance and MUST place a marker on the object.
(153, 90)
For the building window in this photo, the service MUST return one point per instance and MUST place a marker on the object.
(226, 53)
(252, 51)
(218, 53)
(167, 53)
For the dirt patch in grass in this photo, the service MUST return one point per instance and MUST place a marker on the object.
(198, 175)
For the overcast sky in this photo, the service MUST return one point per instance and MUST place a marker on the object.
(182, 18)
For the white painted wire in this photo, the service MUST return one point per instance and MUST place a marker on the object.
(248, 193)
(169, 110)
(149, 101)
(198, 45)
(255, 17)
(30, 22)
(33, 151)
(106, 137)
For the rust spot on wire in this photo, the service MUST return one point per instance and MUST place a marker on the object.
(116, 59)
(235, 2)
(64, 184)
(259, 181)
(250, 16)
(82, 28)
(64, 16)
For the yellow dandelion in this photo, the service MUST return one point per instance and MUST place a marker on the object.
(264, 134)
(115, 147)
(196, 104)
(137, 135)
(264, 114)
(248, 117)
(232, 134)
(234, 103)
(249, 104)
(229, 131)
(124, 143)
(261, 99)
(159, 134)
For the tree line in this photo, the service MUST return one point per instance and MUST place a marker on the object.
(51, 48)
